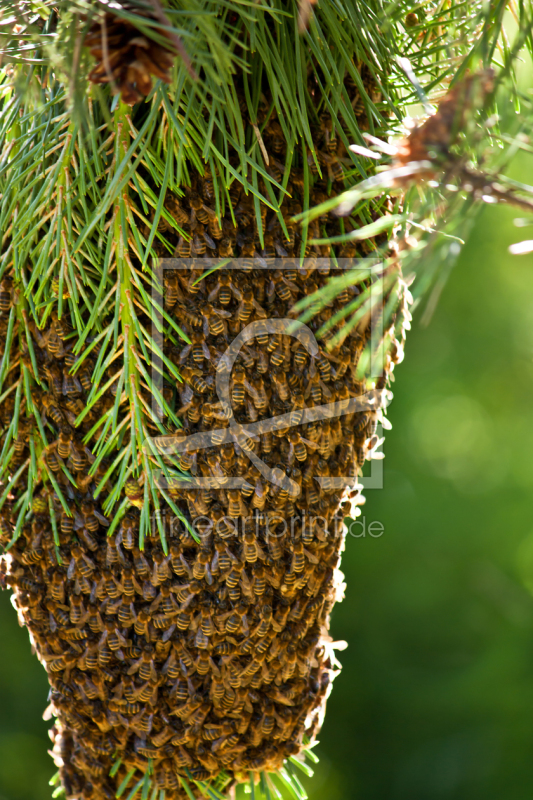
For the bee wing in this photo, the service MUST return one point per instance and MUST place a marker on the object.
(213, 293)
(282, 253)
(91, 458)
(271, 291)
(71, 568)
(291, 285)
(327, 392)
(246, 584)
(254, 394)
(260, 260)
(259, 310)
(134, 667)
(155, 604)
(79, 521)
(221, 313)
(209, 241)
(101, 519)
(312, 558)
(184, 353)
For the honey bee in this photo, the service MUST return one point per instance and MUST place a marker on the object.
(235, 504)
(224, 287)
(198, 349)
(201, 241)
(251, 549)
(56, 382)
(183, 248)
(78, 457)
(64, 442)
(144, 666)
(128, 532)
(80, 563)
(172, 290)
(174, 208)
(194, 378)
(277, 139)
(237, 621)
(71, 386)
(142, 622)
(225, 250)
(279, 379)
(6, 294)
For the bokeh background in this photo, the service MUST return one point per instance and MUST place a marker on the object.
(435, 701)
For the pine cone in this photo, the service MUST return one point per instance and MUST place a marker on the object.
(131, 59)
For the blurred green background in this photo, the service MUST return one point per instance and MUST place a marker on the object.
(435, 701)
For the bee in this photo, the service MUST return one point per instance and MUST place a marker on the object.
(92, 520)
(78, 457)
(297, 447)
(51, 458)
(194, 378)
(172, 290)
(224, 287)
(275, 169)
(128, 531)
(110, 585)
(183, 248)
(251, 550)
(328, 132)
(238, 391)
(248, 254)
(235, 504)
(234, 192)
(6, 294)
(200, 241)
(279, 379)
(161, 570)
(198, 349)
(64, 441)
(71, 386)
(237, 620)
(80, 563)
(198, 210)
(213, 226)
(175, 210)
(208, 188)
(56, 382)
(277, 139)
(19, 444)
(141, 623)
(144, 666)
(77, 614)
(225, 250)
(214, 323)
(129, 583)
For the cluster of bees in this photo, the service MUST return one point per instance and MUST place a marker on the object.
(214, 656)
(211, 658)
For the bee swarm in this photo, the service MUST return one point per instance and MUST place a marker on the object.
(215, 656)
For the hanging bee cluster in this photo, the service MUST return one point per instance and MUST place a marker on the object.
(204, 659)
